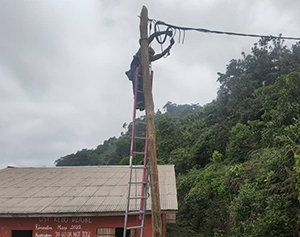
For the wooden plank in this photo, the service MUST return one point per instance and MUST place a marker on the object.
(102, 232)
(171, 218)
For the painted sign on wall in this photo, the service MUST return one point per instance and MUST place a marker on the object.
(63, 227)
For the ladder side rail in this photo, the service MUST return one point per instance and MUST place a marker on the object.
(134, 114)
(131, 151)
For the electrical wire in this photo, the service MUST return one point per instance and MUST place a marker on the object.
(203, 30)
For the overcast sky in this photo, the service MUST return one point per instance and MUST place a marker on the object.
(62, 64)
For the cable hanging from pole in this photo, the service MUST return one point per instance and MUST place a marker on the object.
(159, 38)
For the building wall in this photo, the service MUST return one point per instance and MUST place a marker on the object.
(69, 226)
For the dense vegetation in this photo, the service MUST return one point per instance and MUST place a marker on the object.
(237, 158)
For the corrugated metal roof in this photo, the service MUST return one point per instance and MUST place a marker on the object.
(60, 190)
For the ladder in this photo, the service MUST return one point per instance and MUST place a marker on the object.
(140, 212)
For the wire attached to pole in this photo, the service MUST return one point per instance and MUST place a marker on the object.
(203, 30)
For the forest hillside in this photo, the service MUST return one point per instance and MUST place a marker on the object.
(237, 159)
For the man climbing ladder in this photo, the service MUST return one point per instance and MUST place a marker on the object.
(136, 62)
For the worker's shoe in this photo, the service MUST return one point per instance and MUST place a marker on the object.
(140, 105)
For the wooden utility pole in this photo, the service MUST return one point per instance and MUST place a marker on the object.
(147, 88)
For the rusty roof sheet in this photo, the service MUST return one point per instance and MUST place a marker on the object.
(61, 190)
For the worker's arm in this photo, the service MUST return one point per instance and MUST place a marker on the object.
(156, 34)
(163, 53)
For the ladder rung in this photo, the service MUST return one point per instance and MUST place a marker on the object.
(139, 152)
(135, 212)
(140, 91)
(144, 138)
(134, 227)
(137, 197)
(137, 182)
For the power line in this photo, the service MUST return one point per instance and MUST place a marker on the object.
(170, 26)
